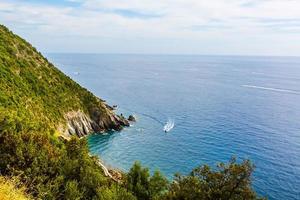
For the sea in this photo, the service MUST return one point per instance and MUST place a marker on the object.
(193, 110)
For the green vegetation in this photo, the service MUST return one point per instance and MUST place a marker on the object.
(144, 186)
(32, 88)
(34, 97)
(229, 181)
(50, 168)
(9, 190)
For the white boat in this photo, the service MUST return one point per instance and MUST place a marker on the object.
(168, 126)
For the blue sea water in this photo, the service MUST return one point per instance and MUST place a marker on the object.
(221, 106)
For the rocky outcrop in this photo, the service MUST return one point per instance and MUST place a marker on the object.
(131, 118)
(81, 124)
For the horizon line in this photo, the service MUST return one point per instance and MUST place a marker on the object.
(173, 54)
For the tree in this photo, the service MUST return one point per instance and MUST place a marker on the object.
(138, 181)
(79, 166)
(228, 181)
(145, 187)
(158, 185)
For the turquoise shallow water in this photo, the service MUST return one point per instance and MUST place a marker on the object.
(221, 106)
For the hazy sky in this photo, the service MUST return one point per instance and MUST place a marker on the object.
(243, 27)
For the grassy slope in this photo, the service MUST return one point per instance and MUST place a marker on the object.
(9, 191)
(32, 88)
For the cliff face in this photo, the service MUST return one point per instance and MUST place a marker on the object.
(80, 124)
(34, 90)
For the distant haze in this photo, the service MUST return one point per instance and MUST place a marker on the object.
(211, 27)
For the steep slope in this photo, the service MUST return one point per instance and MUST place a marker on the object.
(32, 88)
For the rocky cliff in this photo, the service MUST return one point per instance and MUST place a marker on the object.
(80, 124)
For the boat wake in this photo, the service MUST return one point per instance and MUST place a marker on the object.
(272, 89)
(166, 127)
(145, 115)
(169, 125)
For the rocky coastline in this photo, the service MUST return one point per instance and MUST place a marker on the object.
(81, 124)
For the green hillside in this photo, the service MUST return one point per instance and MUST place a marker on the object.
(32, 88)
(38, 103)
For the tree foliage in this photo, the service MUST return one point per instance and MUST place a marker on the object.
(228, 181)
(144, 186)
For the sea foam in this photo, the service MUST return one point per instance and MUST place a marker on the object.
(272, 89)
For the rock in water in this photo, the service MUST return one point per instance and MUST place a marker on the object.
(131, 118)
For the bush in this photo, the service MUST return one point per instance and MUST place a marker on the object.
(114, 192)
